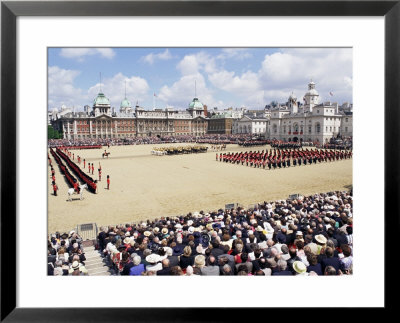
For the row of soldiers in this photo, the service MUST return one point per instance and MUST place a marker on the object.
(285, 145)
(250, 143)
(278, 158)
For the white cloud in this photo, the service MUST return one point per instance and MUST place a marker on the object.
(137, 89)
(181, 93)
(194, 63)
(234, 53)
(61, 88)
(80, 53)
(292, 69)
(151, 58)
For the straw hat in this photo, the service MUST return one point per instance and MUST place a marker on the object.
(164, 230)
(153, 258)
(299, 267)
(147, 233)
(320, 239)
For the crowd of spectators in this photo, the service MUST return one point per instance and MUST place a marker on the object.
(206, 139)
(65, 256)
(305, 236)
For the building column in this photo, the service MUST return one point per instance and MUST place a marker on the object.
(90, 128)
(75, 130)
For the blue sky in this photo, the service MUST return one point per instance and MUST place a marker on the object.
(224, 77)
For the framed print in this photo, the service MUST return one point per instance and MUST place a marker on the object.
(46, 45)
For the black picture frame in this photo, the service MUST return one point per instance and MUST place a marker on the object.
(10, 10)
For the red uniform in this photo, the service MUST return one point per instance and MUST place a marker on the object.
(55, 188)
(76, 187)
(99, 174)
(108, 183)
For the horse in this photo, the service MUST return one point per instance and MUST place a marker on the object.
(106, 154)
(71, 191)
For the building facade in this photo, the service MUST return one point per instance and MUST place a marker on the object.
(101, 122)
(311, 122)
(221, 123)
(251, 124)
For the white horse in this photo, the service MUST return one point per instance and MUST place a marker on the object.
(71, 191)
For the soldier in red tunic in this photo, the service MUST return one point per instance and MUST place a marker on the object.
(55, 188)
(108, 182)
(76, 187)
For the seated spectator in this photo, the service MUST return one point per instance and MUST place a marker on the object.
(211, 268)
(330, 260)
(346, 261)
(282, 269)
(314, 265)
(330, 271)
(154, 262)
(166, 269)
(138, 268)
(186, 259)
(199, 263)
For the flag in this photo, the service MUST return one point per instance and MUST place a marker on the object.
(330, 93)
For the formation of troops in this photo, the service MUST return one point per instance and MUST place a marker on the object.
(179, 150)
(282, 158)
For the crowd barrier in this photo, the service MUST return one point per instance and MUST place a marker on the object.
(64, 170)
(82, 176)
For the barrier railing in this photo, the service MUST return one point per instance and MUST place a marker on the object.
(87, 231)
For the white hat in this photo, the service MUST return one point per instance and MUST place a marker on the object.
(191, 229)
(153, 258)
(75, 265)
(190, 222)
(299, 267)
(147, 233)
(178, 226)
(127, 240)
(320, 238)
(299, 233)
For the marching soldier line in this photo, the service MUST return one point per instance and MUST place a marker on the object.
(282, 158)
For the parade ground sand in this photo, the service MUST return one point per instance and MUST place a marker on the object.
(144, 186)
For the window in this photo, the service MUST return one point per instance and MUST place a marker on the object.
(347, 119)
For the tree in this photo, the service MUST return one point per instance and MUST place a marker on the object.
(52, 133)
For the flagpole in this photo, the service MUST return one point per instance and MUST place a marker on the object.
(154, 106)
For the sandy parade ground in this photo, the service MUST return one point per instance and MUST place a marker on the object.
(145, 186)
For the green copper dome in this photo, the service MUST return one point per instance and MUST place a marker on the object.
(125, 103)
(196, 104)
(101, 99)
